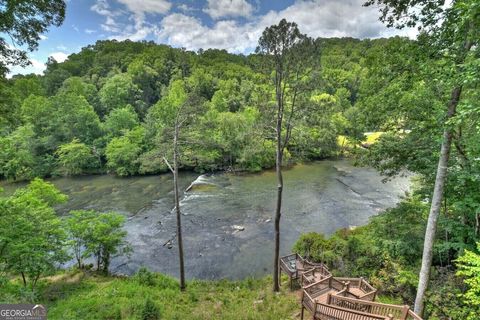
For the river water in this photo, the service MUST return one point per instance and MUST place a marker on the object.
(321, 196)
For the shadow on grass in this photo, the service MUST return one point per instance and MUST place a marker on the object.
(62, 286)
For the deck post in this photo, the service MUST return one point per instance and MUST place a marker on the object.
(405, 312)
(314, 310)
(347, 286)
(301, 302)
(329, 298)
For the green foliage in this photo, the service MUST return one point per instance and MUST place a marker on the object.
(122, 152)
(111, 88)
(24, 86)
(73, 118)
(388, 250)
(145, 277)
(79, 87)
(35, 245)
(444, 301)
(78, 226)
(120, 91)
(74, 294)
(150, 311)
(75, 157)
(257, 155)
(17, 154)
(24, 22)
(120, 120)
(97, 234)
(469, 268)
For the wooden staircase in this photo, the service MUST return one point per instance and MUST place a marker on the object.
(335, 298)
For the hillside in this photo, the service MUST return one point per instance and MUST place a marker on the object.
(106, 109)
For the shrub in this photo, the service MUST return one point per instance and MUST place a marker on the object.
(145, 277)
(150, 311)
(75, 157)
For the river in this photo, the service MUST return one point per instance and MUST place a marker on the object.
(321, 196)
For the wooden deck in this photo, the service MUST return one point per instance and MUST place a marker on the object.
(301, 270)
(336, 298)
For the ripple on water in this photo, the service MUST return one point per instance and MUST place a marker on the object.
(321, 196)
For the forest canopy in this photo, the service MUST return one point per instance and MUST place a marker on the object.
(106, 109)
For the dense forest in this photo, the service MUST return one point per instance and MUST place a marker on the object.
(112, 108)
(107, 107)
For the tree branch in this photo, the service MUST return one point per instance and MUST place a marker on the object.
(168, 164)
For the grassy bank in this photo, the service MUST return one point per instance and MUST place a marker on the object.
(79, 295)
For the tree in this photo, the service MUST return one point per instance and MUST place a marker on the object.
(469, 268)
(177, 109)
(78, 226)
(284, 47)
(98, 234)
(26, 85)
(176, 100)
(17, 154)
(74, 118)
(450, 33)
(36, 245)
(122, 152)
(121, 120)
(146, 76)
(54, 76)
(8, 109)
(119, 91)
(37, 110)
(23, 22)
(79, 87)
(75, 157)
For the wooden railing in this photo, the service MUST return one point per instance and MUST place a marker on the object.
(354, 282)
(321, 271)
(365, 286)
(308, 301)
(345, 305)
(412, 315)
(336, 284)
(286, 259)
(386, 310)
(369, 292)
(316, 289)
(369, 296)
(325, 311)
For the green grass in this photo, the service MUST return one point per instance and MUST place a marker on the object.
(78, 295)
(345, 144)
(370, 138)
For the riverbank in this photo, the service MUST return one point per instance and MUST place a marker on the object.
(321, 196)
(83, 295)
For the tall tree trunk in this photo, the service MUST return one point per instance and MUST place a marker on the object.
(278, 209)
(24, 279)
(177, 208)
(436, 204)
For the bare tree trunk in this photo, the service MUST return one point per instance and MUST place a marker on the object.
(36, 280)
(278, 209)
(436, 205)
(177, 208)
(24, 279)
